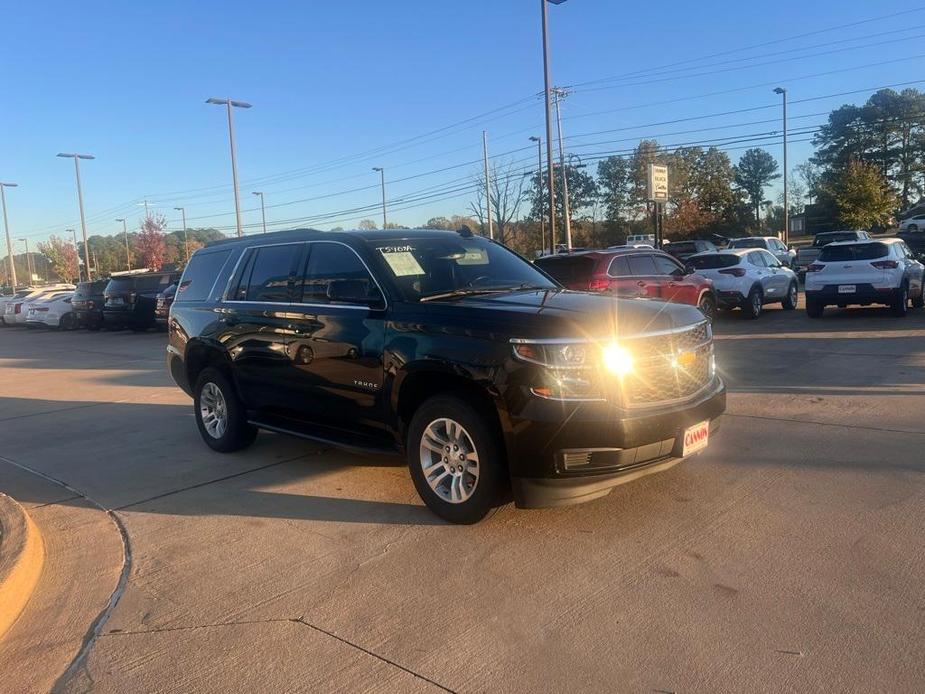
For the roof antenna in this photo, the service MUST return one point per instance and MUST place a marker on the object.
(465, 231)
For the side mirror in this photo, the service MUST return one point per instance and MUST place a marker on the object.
(355, 292)
(689, 270)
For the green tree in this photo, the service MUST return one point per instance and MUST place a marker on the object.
(862, 196)
(614, 187)
(582, 193)
(755, 171)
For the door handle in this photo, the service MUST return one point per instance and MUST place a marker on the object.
(640, 283)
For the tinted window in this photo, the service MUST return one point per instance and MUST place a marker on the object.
(568, 269)
(200, 275)
(713, 262)
(153, 283)
(747, 243)
(681, 247)
(328, 262)
(619, 267)
(270, 276)
(855, 251)
(86, 290)
(823, 239)
(642, 265)
(757, 259)
(666, 266)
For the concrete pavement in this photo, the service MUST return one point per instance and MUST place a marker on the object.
(789, 556)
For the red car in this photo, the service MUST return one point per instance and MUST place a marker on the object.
(643, 273)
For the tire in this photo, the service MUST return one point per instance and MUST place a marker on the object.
(227, 430)
(814, 308)
(451, 423)
(707, 306)
(793, 296)
(919, 301)
(754, 303)
(66, 322)
(900, 305)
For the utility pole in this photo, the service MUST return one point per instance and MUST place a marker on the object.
(783, 93)
(382, 181)
(76, 250)
(80, 202)
(548, 98)
(539, 173)
(231, 104)
(491, 226)
(263, 215)
(561, 94)
(182, 211)
(30, 268)
(6, 227)
(128, 253)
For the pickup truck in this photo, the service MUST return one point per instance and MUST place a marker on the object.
(808, 255)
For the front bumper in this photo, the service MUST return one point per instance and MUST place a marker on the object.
(89, 317)
(566, 453)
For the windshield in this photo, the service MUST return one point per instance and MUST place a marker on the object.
(681, 247)
(431, 266)
(824, 239)
(713, 261)
(856, 251)
(747, 243)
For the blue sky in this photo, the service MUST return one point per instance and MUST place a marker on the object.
(127, 82)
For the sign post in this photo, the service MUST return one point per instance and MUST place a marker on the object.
(658, 194)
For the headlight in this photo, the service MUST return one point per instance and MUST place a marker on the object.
(554, 356)
(617, 359)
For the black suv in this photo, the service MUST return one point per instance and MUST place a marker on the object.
(446, 346)
(131, 299)
(88, 304)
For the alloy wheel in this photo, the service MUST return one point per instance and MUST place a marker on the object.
(449, 460)
(213, 410)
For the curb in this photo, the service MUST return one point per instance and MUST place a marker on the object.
(22, 555)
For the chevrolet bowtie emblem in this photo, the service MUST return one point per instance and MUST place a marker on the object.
(686, 359)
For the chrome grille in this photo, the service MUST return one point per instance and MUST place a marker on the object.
(670, 366)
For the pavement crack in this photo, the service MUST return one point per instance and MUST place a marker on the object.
(55, 411)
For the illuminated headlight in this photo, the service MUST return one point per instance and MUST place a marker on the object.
(617, 359)
(564, 356)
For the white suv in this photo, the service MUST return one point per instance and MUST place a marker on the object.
(913, 224)
(747, 278)
(851, 273)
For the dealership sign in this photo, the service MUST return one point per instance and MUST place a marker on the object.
(658, 183)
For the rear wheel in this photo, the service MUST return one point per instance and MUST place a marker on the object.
(707, 306)
(754, 303)
(455, 459)
(900, 304)
(919, 301)
(66, 322)
(220, 414)
(814, 308)
(790, 302)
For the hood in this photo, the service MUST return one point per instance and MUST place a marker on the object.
(565, 314)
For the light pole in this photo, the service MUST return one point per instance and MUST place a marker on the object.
(263, 211)
(6, 226)
(783, 93)
(128, 253)
(560, 94)
(548, 98)
(382, 179)
(539, 173)
(80, 203)
(491, 227)
(182, 211)
(231, 104)
(30, 268)
(76, 247)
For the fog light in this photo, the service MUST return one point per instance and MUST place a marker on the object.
(618, 360)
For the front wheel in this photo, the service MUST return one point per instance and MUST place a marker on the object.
(790, 301)
(919, 301)
(707, 306)
(754, 303)
(455, 459)
(220, 413)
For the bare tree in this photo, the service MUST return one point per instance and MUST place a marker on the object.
(507, 195)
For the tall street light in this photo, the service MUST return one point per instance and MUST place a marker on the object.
(80, 203)
(263, 210)
(566, 211)
(539, 173)
(128, 253)
(231, 105)
(6, 226)
(182, 211)
(73, 233)
(547, 79)
(783, 93)
(382, 179)
(30, 268)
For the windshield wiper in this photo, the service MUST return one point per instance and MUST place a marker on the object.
(471, 291)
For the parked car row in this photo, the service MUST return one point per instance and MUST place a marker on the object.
(136, 301)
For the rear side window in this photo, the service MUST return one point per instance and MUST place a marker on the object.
(666, 266)
(200, 275)
(567, 269)
(328, 262)
(270, 273)
(619, 267)
(855, 251)
(642, 265)
(757, 259)
(714, 262)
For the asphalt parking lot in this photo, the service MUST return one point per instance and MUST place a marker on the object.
(788, 557)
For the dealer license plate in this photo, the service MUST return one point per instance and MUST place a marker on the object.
(847, 288)
(696, 438)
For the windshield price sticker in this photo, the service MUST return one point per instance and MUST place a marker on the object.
(401, 261)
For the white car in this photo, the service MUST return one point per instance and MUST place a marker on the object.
(770, 243)
(14, 313)
(748, 279)
(648, 239)
(852, 273)
(52, 311)
(913, 224)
